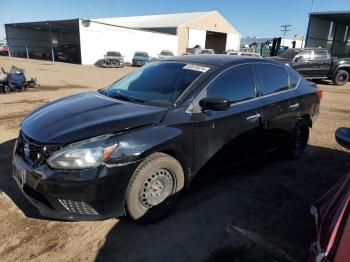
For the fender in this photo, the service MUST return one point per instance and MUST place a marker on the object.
(138, 144)
(341, 66)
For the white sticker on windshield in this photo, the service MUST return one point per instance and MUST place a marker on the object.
(196, 68)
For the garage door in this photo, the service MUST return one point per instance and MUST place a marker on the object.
(196, 37)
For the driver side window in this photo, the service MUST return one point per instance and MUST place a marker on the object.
(304, 55)
(236, 84)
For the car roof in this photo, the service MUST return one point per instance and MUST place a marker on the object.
(217, 60)
(309, 48)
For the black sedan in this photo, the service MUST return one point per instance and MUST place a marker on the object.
(131, 148)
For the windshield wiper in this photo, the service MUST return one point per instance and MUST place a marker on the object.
(128, 98)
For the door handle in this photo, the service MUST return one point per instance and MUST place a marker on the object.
(294, 106)
(253, 117)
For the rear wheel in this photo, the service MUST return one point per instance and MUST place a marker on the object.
(298, 140)
(341, 77)
(154, 187)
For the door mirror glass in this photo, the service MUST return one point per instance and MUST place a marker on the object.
(215, 103)
(342, 135)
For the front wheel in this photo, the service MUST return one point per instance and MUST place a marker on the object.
(341, 77)
(154, 187)
(298, 140)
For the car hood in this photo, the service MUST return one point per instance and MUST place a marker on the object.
(114, 57)
(142, 58)
(86, 115)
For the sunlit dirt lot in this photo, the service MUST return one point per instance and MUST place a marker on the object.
(255, 212)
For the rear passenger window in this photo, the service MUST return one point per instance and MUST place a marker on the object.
(273, 79)
(294, 79)
(320, 54)
(236, 84)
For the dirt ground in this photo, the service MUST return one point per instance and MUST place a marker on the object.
(255, 212)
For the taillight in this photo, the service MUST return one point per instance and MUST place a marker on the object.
(319, 93)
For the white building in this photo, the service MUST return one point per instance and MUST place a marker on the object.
(86, 41)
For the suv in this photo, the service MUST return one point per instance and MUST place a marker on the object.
(113, 59)
(317, 63)
(165, 54)
(131, 148)
(140, 59)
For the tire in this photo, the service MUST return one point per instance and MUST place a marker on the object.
(341, 77)
(298, 140)
(5, 89)
(154, 188)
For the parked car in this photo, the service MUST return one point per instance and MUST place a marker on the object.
(332, 218)
(243, 53)
(113, 59)
(317, 63)
(206, 52)
(4, 51)
(165, 54)
(140, 59)
(69, 53)
(132, 147)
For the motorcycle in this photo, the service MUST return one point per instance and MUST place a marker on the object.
(15, 80)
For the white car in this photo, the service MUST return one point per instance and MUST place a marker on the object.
(165, 54)
(207, 51)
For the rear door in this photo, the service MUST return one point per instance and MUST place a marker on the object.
(277, 88)
(218, 132)
(323, 61)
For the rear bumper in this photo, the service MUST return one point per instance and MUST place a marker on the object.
(92, 194)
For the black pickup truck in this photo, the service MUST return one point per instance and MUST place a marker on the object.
(316, 63)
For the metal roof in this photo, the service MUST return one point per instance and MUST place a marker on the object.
(336, 16)
(154, 21)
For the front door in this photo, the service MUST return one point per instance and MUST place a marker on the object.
(218, 132)
(304, 64)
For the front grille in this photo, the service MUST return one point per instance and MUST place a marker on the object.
(34, 153)
(78, 207)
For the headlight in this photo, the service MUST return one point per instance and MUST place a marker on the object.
(85, 154)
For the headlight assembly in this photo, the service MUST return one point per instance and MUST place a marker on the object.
(81, 155)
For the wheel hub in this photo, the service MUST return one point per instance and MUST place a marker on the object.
(156, 188)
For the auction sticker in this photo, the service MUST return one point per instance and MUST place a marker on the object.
(196, 68)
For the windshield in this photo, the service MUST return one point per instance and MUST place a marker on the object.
(290, 53)
(113, 54)
(158, 82)
(141, 54)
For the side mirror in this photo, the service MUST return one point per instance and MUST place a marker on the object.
(215, 103)
(342, 135)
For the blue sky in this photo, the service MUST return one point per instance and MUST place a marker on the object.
(249, 17)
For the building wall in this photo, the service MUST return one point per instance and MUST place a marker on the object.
(318, 32)
(211, 22)
(332, 35)
(97, 39)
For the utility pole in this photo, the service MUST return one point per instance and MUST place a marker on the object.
(312, 6)
(284, 31)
